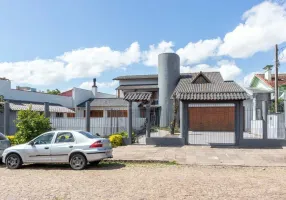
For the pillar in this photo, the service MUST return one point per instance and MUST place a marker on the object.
(254, 107)
(129, 128)
(6, 118)
(237, 123)
(264, 118)
(87, 116)
(148, 124)
(46, 109)
(184, 122)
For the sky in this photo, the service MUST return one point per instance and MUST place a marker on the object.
(65, 44)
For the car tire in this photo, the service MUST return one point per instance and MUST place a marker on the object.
(78, 161)
(95, 162)
(13, 161)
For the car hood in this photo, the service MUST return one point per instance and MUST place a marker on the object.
(20, 146)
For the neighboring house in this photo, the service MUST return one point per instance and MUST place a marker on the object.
(266, 81)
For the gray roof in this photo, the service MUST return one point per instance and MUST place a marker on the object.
(105, 102)
(135, 87)
(217, 89)
(138, 96)
(148, 76)
(39, 107)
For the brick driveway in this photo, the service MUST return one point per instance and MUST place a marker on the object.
(203, 155)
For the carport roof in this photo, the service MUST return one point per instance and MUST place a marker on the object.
(138, 96)
(215, 89)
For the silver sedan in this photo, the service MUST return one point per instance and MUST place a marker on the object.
(66, 146)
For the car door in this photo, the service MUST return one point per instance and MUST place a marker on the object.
(40, 150)
(62, 146)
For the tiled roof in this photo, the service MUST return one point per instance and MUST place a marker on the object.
(271, 83)
(138, 96)
(148, 76)
(39, 107)
(67, 93)
(134, 87)
(217, 89)
(104, 102)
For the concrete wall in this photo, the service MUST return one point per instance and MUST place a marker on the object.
(80, 95)
(168, 77)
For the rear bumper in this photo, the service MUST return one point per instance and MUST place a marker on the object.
(93, 156)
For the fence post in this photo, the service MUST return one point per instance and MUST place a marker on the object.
(184, 122)
(237, 123)
(264, 116)
(129, 128)
(87, 116)
(46, 109)
(148, 124)
(6, 118)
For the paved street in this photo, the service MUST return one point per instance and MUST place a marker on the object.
(142, 181)
(203, 155)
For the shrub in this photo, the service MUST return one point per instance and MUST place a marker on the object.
(12, 139)
(116, 140)
(30, 124)
(124, 134)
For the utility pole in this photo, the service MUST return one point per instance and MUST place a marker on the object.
(276, 78)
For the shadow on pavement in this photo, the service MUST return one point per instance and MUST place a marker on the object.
(100, 166)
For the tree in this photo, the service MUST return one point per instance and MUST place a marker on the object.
(1, 103)
(55, 92)
(30, 124)
(175, 109)
(280, 106)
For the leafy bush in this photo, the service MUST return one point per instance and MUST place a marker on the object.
(30, 124)
(124, 134)
(12, 139)
(116, 140)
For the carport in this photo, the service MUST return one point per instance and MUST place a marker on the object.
(211, 110)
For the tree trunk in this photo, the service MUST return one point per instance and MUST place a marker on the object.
(175, 110)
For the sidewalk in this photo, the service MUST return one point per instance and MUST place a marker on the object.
(203, 155)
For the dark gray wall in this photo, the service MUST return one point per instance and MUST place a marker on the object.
(168, 77)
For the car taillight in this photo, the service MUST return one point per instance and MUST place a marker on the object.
(96, 144)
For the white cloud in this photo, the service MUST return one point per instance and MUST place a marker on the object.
(88, 84)
(228, 69)
(150, 57)
(196, 52)
(282, 56)
(81, 63)
(263, 26)
(90, 62)
(37, 72)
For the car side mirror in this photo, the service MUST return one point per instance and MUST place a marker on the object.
(32, 143)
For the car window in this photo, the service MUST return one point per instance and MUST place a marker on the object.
(64, 137)
(2, 137)
(44, 139)
(88, 134)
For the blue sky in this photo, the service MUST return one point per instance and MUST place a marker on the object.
(64, 44)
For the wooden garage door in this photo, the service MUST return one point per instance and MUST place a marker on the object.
(211, 118)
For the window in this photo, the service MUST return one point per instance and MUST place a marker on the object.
(59, 114)
(117, 113)
(70, 114)
(44, 139)
(64, 137)
(88, 134)
(95, 113)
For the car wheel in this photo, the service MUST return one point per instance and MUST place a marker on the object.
(78, 161)
(13, 161)
(95, 162)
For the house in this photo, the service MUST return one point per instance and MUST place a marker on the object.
(209, 106)
(266, 81)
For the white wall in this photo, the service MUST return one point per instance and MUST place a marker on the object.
(139, 82)
(81, 95)
(13, 94)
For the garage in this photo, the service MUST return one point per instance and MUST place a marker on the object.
(211, 118)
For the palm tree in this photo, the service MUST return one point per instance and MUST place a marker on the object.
(1, 103)
(175, 109)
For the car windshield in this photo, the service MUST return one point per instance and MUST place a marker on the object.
(2, 137)
(88, 135)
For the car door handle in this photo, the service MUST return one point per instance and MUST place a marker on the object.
(46, 147)
(70, 146)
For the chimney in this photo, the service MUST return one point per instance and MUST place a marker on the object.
(267, 73)
(94, 87)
